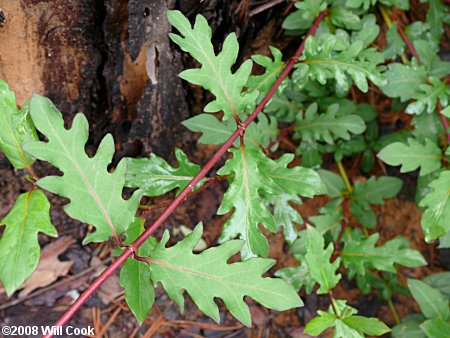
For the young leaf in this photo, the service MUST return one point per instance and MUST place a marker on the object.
(436, 328)
(436, 217)
(372, 192)
(215, 73)
(323, 61)
(135, 275)
(334, 183)
(19, 246)
(95, 194)
(156, 177)
(413, 155)
(408, 329)
(362, 255)
(318, 260)
(433, 304)
(322, 127)
(16, 130)
(318, 324)
(346, 324)
(303, 18)
(207, 275)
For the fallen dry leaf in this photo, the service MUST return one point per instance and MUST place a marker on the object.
(49, 267)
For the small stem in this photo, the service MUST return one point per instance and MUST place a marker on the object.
(344, 223)
(131, 249)
(344, 176)
(283, 133)
(209, 183)
(333, 304)
(393, 310)
(443, 120)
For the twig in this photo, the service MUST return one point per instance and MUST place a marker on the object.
(443, 120)
(131, 249)
(210, 182)
(264, 7)
(393, 310)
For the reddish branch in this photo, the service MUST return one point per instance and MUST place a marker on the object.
(406, 39)
(345, 206)
(443, 120)
(130, 250)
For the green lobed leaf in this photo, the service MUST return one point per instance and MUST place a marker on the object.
(207, 276)
(369, 326)
(413, 155)
(243, 195)
(436, 328)
(373, 191)
(324, 61)
(302, 19)
(320, 323)
(436, 216)
(17, 129)
(156, 177)
(253, 173)
(215, 73)
(430, 93)
(297, 277)
(95, 194)
(273, 67)
(346, 324)
(363, 255)
(318, 260)
(344, 18)
(400, 4)
(327, 126)
(135, 275)
(438, 14)
(285, 215)
(404, 81)
(429, 54)
(334, 183)
(432, 303)
(19, 245)
(440, 281)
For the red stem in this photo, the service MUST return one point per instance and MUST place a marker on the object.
(407, 40)
(131, 249)
(344, 223)
(443, 120)
(283, 133)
